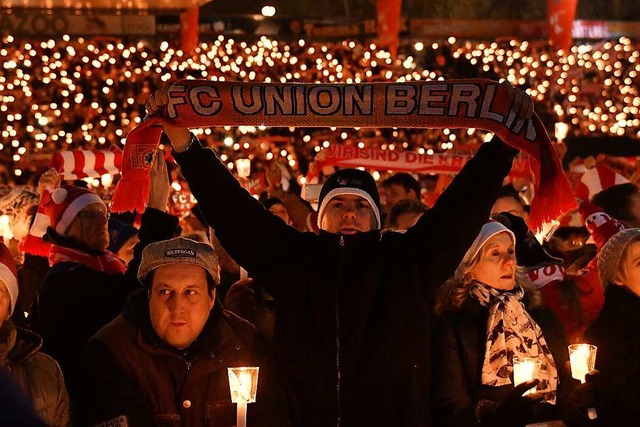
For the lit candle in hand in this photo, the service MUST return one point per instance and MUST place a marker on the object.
(243, 384)
(583, 360)
(525, 370)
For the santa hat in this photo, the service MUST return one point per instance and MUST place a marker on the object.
(601, 225)
(57, 209)
(353, 182)
(597, 179)
(9, 276)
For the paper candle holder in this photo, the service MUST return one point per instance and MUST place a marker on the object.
(525, 369)
(243, 384)
(583, 360)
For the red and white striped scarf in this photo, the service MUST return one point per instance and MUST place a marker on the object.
(107, 262)
(80, 164)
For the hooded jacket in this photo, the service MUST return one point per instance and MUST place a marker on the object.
(352, 311)
(130, 373)
(37, 374)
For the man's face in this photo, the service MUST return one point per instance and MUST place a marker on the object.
(396, 192)
(179, 303)
(347, 214)
(125, 253)
(90, 227)
(510, 205)
(280, 211)
(629, 272)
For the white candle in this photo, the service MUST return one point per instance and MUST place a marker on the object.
(583, 360)
(243, 384)
(580, 362)
(525, 370)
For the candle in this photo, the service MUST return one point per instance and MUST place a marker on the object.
(243, 385)
(583, 360)
(524, 370)
(243, 166)
(561, 131)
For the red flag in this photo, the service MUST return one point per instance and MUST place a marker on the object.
(189, 30)
(560, 16)
(389, 24)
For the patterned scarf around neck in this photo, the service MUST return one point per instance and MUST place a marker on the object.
(511, 332)
(106, 262)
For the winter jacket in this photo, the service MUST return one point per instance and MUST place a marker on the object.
(352, 311)
(458, 352)
(616, 333)
(76, 301)
(37, 374)
(129, 372)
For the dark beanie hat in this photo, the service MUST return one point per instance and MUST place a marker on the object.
(353, 182)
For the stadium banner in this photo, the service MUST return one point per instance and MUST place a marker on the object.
(27, 23)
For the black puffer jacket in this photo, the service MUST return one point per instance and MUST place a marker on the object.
(352, 311)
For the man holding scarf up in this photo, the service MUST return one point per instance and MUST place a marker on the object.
(353, 306)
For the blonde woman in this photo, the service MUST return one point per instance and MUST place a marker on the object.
(488, 317)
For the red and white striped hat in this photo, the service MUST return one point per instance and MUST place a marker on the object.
(597, 179)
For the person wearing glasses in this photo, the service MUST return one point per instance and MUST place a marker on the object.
(87, 286)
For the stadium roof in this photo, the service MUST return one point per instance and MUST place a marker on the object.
(104, 4)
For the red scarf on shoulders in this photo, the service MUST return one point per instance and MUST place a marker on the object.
(106, 262)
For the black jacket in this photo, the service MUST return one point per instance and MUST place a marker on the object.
(458, 351)
(616, 333)
(352, 311)
(76, 301)
(130, 372)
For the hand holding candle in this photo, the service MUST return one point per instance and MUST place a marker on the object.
(525, 369)
(583, 360)
(243, 384)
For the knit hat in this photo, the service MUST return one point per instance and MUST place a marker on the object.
(353, 182)
(487, 231)
(9, 276)
(179, 251)
(529, 252)
(611, 254)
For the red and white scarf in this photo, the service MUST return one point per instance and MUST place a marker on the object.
(473, 103)
(106, 262)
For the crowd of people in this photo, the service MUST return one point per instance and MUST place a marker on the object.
(388, 299)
